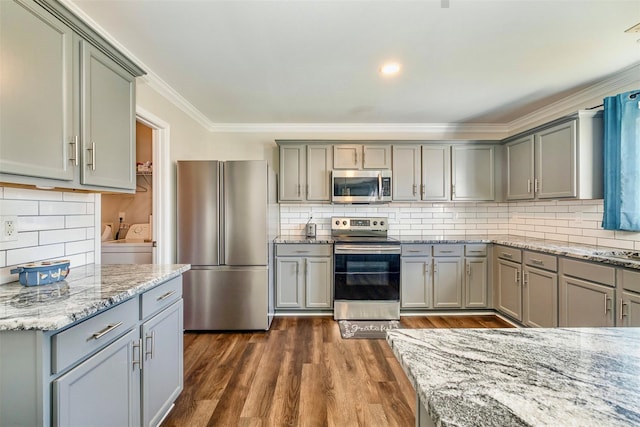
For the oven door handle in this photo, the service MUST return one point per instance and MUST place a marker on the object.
(354, 249)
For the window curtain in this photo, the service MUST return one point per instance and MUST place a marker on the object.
(622, 162)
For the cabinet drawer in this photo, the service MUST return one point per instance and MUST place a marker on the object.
(416, 250)
(631, 280)
(160, 297)
(544, 261)
(447, 250)
(588, 271)
(304, 249)
(512, 254)
(92, 334)
(475, 250)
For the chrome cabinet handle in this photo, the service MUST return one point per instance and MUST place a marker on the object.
(537, 261)
(106, 330)
(517, 276)
(606, 304)
(426, 268)
(453, 190)
(415, 189)
(622, 305)
(74, 142)
(422, 189)
(137, 344)
(307, 191)
(528, 186)
(302, 252)
(380, 186)
(525, 278)
(356, 161)
(165, 296)
(93, 156)
(148, 352)
(507, 255)
(469, 270)
(446, 252)
(536, 186)
(413, 251)
(298, 190)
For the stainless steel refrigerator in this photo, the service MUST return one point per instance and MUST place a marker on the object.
(227, 218)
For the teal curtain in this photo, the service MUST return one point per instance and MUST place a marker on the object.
(622, 162)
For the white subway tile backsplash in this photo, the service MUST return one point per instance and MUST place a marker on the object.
(18, 207)
(62, 236)
(62, 208)
(624, 244)
(34, 253)
(3, 258)
(78, 197)
(21, 194)
(82, 246)
(26, 239)
(36, 223)
(76, 221)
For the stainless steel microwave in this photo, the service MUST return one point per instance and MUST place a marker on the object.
(356, 186)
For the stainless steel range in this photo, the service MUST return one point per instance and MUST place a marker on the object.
(366, 269)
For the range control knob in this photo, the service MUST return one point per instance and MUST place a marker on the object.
(381, 222)
(337, 222)
(344, 222)
(376, 223)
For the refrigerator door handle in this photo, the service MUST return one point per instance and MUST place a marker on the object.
(222, 227)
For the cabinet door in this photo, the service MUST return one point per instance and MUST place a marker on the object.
(540, 298)
(108, 122)
(318, 274)
(472, 173)
(376, 157)
(447, 282)
(556, 162)
(415, 282)
(162, 364)
(584, 303)
(292, 172)
(104, 390)
(319, 161)
(509, 290)
(476, 283)
(347, 156)
(289, 283)
(436, 172)
(36, 114)
(406, 172)
(520, 169)
(629, 310)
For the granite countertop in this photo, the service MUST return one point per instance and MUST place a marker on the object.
(518, 377)
(601, 254)
(85, 291)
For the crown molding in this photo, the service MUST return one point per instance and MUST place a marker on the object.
(492, 131)
(580, 100)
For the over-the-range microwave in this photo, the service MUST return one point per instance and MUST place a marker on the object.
(361, 186)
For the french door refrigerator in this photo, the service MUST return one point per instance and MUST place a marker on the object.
(227, 218)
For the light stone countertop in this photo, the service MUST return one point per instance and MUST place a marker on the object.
(524, 377)
(601, 254)
(86, 291)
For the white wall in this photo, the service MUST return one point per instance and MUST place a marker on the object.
(51, 225)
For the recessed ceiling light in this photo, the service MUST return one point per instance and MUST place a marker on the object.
(390, 68)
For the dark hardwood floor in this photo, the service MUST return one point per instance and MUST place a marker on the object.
(300, 373)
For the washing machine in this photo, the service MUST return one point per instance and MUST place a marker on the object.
(135, 248)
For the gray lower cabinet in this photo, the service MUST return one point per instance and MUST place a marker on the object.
(416, 280)
(540, 298)
(447, 276)
(304, 276)
(81, 96)
(120, 367)
(629, 298)
(475, 283)
(507, 274)
(587, 294)
(101, 391)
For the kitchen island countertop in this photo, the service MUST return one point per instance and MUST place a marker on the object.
(518, 377)
(86, 291)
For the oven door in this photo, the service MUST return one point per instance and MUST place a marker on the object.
(367, 272)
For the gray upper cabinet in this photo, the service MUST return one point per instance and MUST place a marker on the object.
(305, 172)
(108, 122)
(357, 156)
(293, 172)
(406, 172)
(561, 160)
(436, 173)
(80, 92)
(472, 173)
(520, 177)
(36, 123)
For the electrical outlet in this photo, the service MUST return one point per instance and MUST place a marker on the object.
(8, 228)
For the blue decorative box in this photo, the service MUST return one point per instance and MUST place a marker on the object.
(42, 273)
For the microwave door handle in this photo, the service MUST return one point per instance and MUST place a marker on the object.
(379, 186)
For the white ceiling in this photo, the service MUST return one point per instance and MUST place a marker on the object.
(317, 61)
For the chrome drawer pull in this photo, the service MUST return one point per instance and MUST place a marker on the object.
(507, 255)
(302, 252)
(414, 251)
(446, 252)
(105, 331)
(537, 261)
(165, 296)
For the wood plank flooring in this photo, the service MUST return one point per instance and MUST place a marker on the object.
(299, 373)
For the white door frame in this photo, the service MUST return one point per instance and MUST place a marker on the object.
(161, 179)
